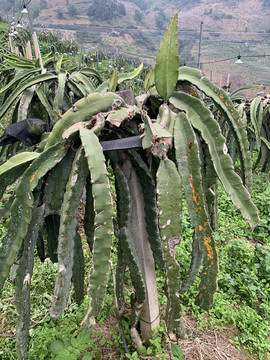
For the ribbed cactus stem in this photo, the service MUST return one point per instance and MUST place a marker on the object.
(68, 232)
(169, 206)
(103, 232)
(23, 283)
(85, 109)
(190, 168)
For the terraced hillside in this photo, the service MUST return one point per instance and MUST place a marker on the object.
(230, 28)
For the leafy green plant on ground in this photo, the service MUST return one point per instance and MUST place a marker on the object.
(230, 218)
(244, 289)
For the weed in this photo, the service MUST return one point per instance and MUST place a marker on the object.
(177, 352)
(254, 331)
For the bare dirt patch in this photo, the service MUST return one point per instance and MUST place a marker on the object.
(208, 344)
(200, 344)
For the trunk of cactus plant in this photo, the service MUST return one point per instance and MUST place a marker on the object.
(149, 314)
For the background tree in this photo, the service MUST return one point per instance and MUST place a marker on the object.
(121, 9)
(106, 9)
(72, 10)
(142, 4)
(266, 3)
(60, 14)
(161, 19)
(138, 15)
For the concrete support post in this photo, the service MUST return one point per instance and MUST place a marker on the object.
(28, 50)
(35, 40)
(200, 46)
(149, 319)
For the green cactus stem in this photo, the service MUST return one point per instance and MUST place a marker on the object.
(103, 221)
(224, 103)
(23, 282)
(210, 188)
(132, 260)
(195, 264)
(26, 84)
(13, 168)
(89, 215)
(113, 81)
(21, 210)
(51, 227)
(169, 208)
(60, 92)
(189, 167)
(68, 232)
(55, 185)
(128, 253)
(78, 272)
(256, 117)
(167, 63)
(150, 207)
(81, 111)
(117, 117)
(120, 278)
(202, 119)
(166, 118)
